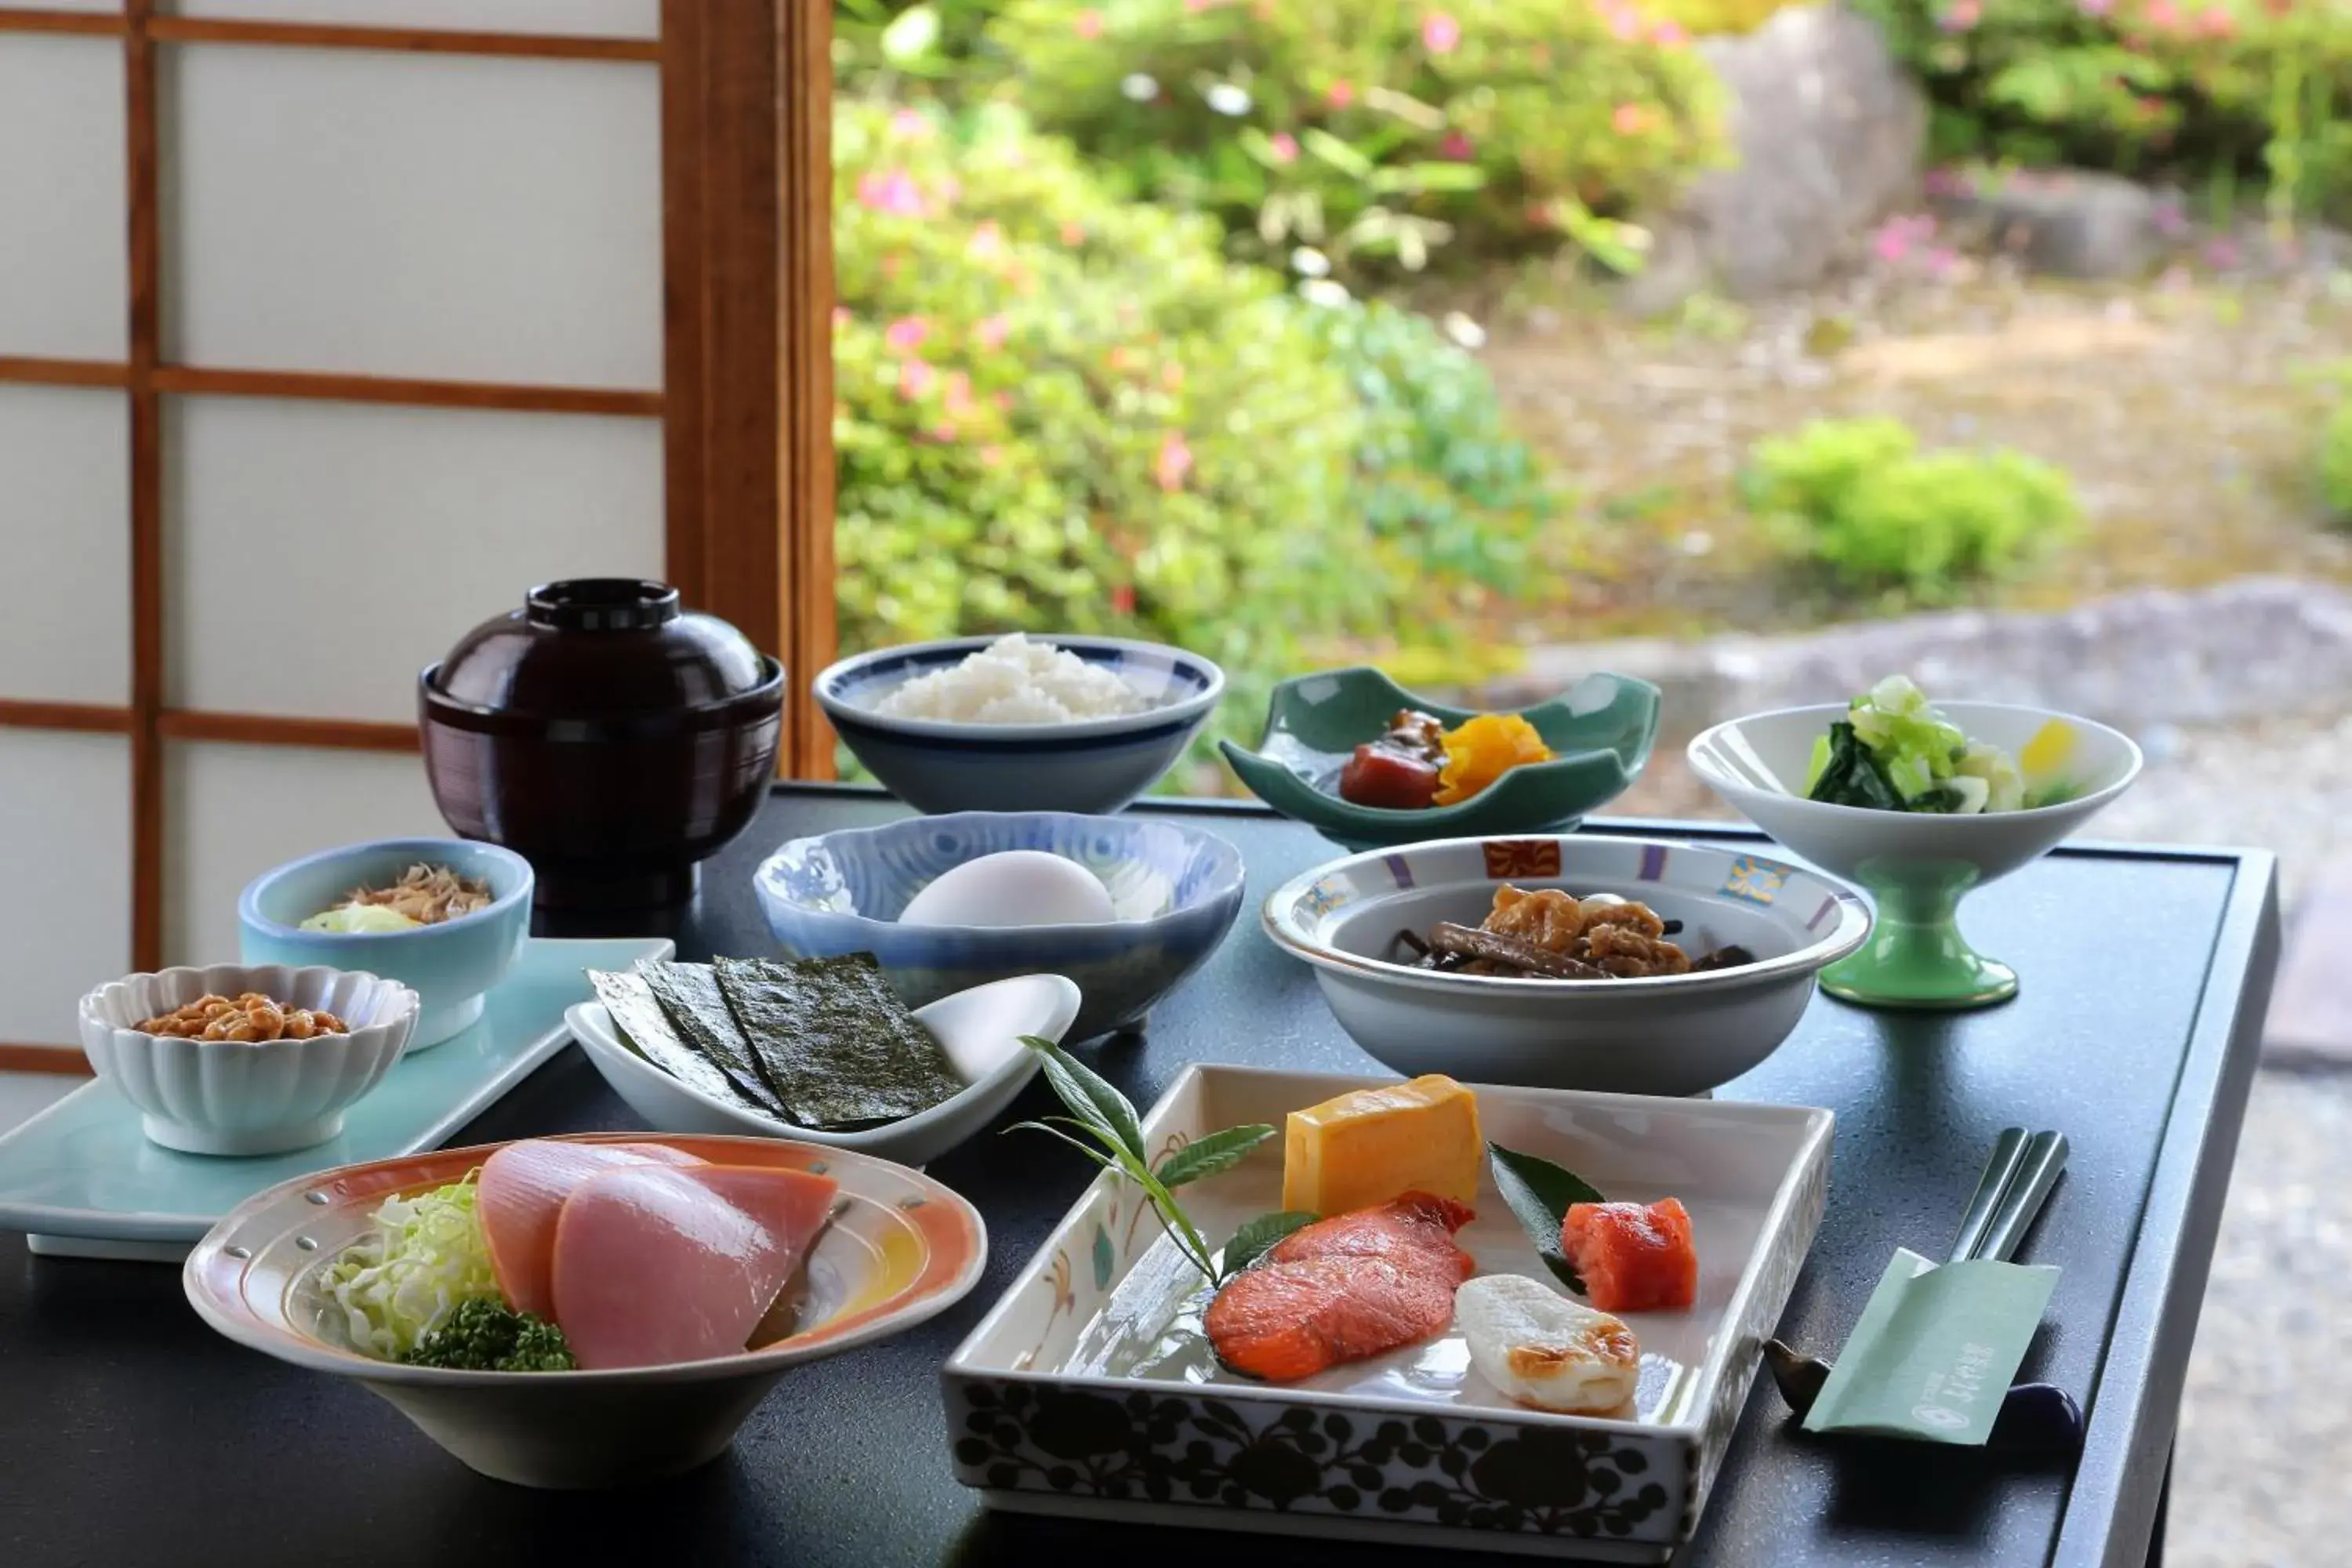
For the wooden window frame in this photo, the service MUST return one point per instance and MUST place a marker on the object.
(746, 401)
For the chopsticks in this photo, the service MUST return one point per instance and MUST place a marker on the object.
(2018, 1179)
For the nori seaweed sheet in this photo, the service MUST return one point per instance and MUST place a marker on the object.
(690, 994)
(638, 1014)
(836, 1040)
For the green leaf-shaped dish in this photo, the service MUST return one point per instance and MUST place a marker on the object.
(1600, 732)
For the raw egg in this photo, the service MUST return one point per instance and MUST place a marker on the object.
(1015, 888)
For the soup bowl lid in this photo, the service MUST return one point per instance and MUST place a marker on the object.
(600, 648)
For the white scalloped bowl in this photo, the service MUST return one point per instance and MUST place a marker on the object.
(231, 1097)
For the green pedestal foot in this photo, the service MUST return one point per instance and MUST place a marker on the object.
(1916, 956)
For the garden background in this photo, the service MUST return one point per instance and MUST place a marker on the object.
(1760, 348)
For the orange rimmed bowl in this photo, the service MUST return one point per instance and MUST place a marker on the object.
(901, 1249)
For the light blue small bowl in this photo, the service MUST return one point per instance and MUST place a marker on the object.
(1087, 765)
(1177, 888)
(450, 966)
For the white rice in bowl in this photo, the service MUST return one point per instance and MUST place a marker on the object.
(1014, 681)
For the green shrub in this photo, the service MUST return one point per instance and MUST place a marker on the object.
(1058, 411)
(2215, 89)
(1372, 128)
(1857, 500)
(1440, 473)
(2335, 462)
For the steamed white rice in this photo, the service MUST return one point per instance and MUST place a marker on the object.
(1014, 681)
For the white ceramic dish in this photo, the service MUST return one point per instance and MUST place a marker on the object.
(979, 1029)
(901, 1249)
(1917, 867)
(82, 1180)
(1049, 1412)
(1670, 1035)
(232, 1097)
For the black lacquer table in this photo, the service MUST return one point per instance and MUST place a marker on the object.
(129, 1434)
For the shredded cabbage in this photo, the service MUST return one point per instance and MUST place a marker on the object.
(431, 1255)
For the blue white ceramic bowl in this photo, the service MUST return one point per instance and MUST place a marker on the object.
(1176, 890)
(1675, 1034)
(1089, 765)
(450, 966)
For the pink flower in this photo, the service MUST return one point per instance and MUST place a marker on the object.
(1961, 15)
(1625, 23)
(1669, 36)
(1456, 146)
(895, 193)
(1122, 599)
(906, 333)
(1892, 243)
(2216, 23)
(1440, 33)
(991, 331)
(1630, 120)
(840, 317)
(1286, 147)
(1172, 376)
(1005, 402)
(1341, 94)
(986, 241)
(991, 455)
(916, 377)
(1174, 462)
(959, 392)
(943, 432)
(1073, 234)
(1089, 24)
(2095, 7)
(910, 122)
(2163, 16)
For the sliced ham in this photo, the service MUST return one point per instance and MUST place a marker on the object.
(521, 1189)
(656, 1265)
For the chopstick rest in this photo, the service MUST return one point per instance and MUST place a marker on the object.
(1933, 1354)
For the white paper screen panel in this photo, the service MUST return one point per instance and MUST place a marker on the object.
(429, 216)
(65, 531)
(64, 827)
(63, 264)
(234, 812)
(581, 18)
(373, 537)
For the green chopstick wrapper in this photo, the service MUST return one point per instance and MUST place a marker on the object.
(1935, 1350)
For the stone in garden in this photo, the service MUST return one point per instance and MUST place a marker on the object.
(1830, 131)
(2067, 222)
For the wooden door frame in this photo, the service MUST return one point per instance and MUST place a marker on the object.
(746, 400)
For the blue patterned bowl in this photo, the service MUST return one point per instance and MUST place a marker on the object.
(1176, 892)
(1092, 764)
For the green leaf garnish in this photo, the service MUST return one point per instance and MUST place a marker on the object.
(1250, 1242)
(1090, 1097)
(1208, 1157)
(1538, 1194)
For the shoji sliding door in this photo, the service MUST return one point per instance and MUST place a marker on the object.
(327, 327)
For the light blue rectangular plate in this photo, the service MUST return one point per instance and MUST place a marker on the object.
(80, 1179)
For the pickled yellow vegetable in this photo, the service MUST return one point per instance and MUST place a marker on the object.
(1482, 750)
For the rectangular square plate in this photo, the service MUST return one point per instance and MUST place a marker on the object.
(82, 1181)
(1088, 1391)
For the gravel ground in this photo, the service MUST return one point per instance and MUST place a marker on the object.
(2259, 1475)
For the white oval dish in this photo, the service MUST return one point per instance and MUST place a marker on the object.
(230, 1096)
(979, 1029)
